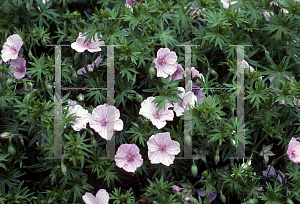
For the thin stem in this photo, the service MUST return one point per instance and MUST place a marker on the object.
(255, 141)
(273, 162)
(34, 50)
(228, 77)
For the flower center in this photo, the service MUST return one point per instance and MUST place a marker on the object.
(293, 153)
(88, 42)
(162, 148)
(104, 123)
(129, 158)
(13, 48)
(162, 62)
(20, 69)
(156, 115)
(133, 1)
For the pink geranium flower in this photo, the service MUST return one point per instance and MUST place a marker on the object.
(246, 67)
(270, 171)
(293, 150)
(129, 2)
(188, 98)
(99, 120)
(72, 103)
(198, 92)
(202, 193)
(102, 197)
(12, 47)
(83, 114)
(165, 62)
(149, 111)
(44, 2)
(176, 188)
(161, 149)
(19, 66)
(90, 66)
(226, 3)
(129, 157)
(178, 74)
(91, 46)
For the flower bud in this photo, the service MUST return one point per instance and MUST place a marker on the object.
(63, 168)
(5, 134)
(49, 87)
(94, 143)
(30, 54)
(188, 140)
(139, 98)
(218, 118)
(133, 80)
(9, 81)
(151, 72)
(74, 75)
(154, 202)
(289, 201)
(252, 201)
(204, 173)
(208, 177)
(44, 41)
(80, 97)
(53, 179)
(213, 72)
(223, 199)
(11, 150)
(30, 85)
(194, 170)
(217, 159)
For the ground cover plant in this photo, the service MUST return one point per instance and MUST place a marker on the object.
(152, 100)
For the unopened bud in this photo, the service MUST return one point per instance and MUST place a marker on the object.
(74, 75)
(139, 98)
(208, 177)
(252, 201)
(44, 41)
(289, 201)
(30, 54)
(49, 87)
(217, 159)
(194, 170)
(218, 118)
(53, 179)
(154, 202)
(11, 150)
(63, 168)
(188, 140)
(94, 143)
(151, 72)
(5, 134)
(204, 173)
(213, 72)
(133, 80)
(9, 81)
(223, 199)
(80, 97)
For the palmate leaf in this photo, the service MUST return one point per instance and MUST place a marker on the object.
(44, 16)
(6, 97)
(9, 178)
(260, 92)
(166, 36)
(283, 24)
(80, 187)
(39, 67)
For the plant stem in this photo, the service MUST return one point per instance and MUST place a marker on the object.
(228, 76)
